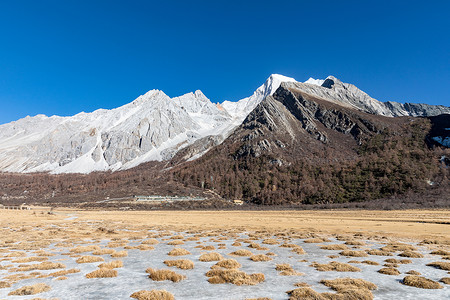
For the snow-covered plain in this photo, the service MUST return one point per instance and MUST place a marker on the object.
(132, 277)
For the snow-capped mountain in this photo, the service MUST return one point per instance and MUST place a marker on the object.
(155, 127)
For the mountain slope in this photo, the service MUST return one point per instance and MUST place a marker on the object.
(295, 147)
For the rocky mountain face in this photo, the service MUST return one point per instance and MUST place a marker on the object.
(300, 146)
(155, 127)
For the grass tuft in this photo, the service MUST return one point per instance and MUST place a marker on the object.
(440, 265)
(164, 274)
(178, 252)
(218, 276)
(260, 257)
(211, 256)
(102, 273)
(31, 290)
(335, 266)
(152, 295)
(89, 259)
(421, 282)
(389, 271)
(112, 264)
(184, 264)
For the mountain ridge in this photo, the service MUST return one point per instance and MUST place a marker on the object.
(155, 127)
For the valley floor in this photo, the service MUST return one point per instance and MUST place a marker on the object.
(61, 249)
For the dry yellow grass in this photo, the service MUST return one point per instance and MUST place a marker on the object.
(398, 261)
(61, 278)
(335, 266)
(349, 288)
(241, 252)
(440, 265)
(4, 284)
(411, 254)
(211, 256)
(30, 259)
(218, 276)
(184, 264)
(144, 247)
(208, 247)
(150, 242)
(421, 282)
(287, 270)
(355, 243)
(152, 295)
(164, 274)
(389, 271)
(227, 264)
(379, 252)
(334, 247)
(395, 247)
(111, 265)
(89, 259)
(260, 257)
(305, 293)
(31, 290)
(317, 240)
(413, 272)
(236, 244)
(178, 252)
(46, 265)
(102, 273)
(440, 252)
(63, 272)
(117, 254)
(175, 242)
(353, 253)
(270, 242)
(103, 251)
(82, 249)
(445, 280)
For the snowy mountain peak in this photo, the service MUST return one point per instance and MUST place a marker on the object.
(314, 81)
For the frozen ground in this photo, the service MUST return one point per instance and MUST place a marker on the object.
(132, 276)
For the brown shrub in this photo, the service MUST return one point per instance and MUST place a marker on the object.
(301, 284)
(421, 282)
(184, 264)
(413, 272)
(178, 252)
(334, 247)
(298, 250)
(89, 259)
(177, 237)
(411, 254)
(152, 295)
(289, 245)
(236, 244)
(389, 271)
(398, 261)
(440, 265)
(227, 264)
(241, 252)
(164, 274)
(260, 257)
(112, 264)
(211, 256)
(102, 273)
(117, 254)
(353, 253)
(335, 266)
(370, 262)
(445, 280)
(62, 278)
(234, 276)
(31, 290)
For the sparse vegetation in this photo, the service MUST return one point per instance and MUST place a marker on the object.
(184, 264)
(178, 252)
(31, 290)
(335, 266)
(211, 256)
(218, 276)
(421, 282)
(152, 295)
(102, 273)
(164, 274)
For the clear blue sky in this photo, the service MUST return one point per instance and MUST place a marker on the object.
(64, 57)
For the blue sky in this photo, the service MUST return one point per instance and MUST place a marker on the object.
(64, 57)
